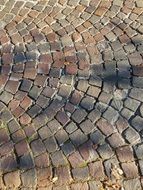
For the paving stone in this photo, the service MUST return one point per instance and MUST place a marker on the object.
(131, 104)
(58, 159)
(54, 126)
(105, 127)
(116, 140)
(35, 92)
(68, 148)
(125, 154)
(87, 126)
(105, 151)
(111, 115)
(61, 137)
(29, 178)
(71, 127)
(132, 183)
(138, 150)
(26, 85)
(94, 115)
(79, 115)
(130, 169)
(78, 137)
(93, 91)
(5, 97)
(136, 93)
(62, 117)
(126, 113)
(12, 180)
(34, 110)
(76, 160)
(87, 103)
(44, 132)
(6, 115)
(117, 104)
(131, 135)
(80, 173)
(96, 170)
(8, 163)
(37, 147)
(137, 123)
(64, 176)
(26, 162)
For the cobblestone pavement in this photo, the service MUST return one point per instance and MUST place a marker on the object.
(71, 94)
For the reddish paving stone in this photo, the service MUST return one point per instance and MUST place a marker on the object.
(44, 177)
(18, 135)
(26, 102)
(18, 112)
(7, 58)
(130, 170)
(13, 104)
(22, 147)
(63, 118)
(64, 176)
(43, 68)
(96, 170)
(76, 160)
(125, 154)
(30, 73)
(42, 161)
(25, 119)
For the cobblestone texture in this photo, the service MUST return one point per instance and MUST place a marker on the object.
(71, 94)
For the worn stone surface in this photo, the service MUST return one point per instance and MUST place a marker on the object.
(71, 94)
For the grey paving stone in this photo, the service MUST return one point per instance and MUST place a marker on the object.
(29, 178)
(80, 173)
(111, 115)
(54, 125)
(131, 135)
(117, 104)
(141, 110)
(35, 92)
(87, 103)
(126, 113)
(58, 159)
(137, 94)
(68, 148)
(87, 126)
(71, 127)
(79, 115)
(61, 136)
(51, 144)
(105, 151)
(137, 123)
(94, 115)
(78, 137)
(138, 82)
(97, 137)
(133, 183)
(132, 104)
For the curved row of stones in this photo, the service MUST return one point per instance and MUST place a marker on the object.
(71, 94)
